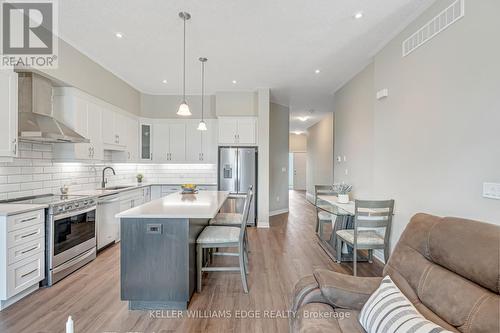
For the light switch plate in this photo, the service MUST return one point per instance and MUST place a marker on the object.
(491, 190)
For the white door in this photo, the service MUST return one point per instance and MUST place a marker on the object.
(161, 142)
(8, 117)
(108, 128)
(177, 137)
(193, 141)
(228, 129)
(246, 131)
(299, 171)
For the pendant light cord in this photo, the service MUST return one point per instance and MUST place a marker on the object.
(184, 65)
(202, 87)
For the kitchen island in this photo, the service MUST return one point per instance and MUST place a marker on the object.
(158, 248)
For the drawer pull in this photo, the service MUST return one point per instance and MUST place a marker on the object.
(30, 272)
(28, 219)
(31, 234)
(29, 250)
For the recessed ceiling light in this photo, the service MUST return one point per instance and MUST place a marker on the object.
(358, 15)
(298, 132)
(119, 35)
(164, 81)
(317, 71)
(303, 118)
(234, 81)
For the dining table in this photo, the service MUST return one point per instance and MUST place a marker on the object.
(342, 218)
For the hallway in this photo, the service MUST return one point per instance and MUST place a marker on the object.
(279, 257)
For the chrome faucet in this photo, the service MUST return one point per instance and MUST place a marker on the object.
(104, 180)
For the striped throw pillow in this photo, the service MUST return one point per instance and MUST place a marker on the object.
(389, 311)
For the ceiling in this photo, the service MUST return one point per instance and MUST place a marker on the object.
(260, 43)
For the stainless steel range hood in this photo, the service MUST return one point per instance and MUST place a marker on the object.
(35, 113)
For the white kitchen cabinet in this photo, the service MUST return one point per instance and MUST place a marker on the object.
(75, 110)
(145, 141)
(8, 117)
(201, 145)
(169, 142)
(22, 255)
(114, 130)
(129, 127)
(237, 130)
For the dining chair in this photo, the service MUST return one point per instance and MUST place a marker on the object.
(323, 217)
(368, 216)
(214, 237)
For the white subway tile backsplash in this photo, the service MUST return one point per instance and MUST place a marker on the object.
(20, 178)
(36, 173)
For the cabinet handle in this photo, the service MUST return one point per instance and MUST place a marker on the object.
(151, 156)
(129, 155)
(30, 272)
(15, 146)
(30, 234)
(29, 250)
(28, 219)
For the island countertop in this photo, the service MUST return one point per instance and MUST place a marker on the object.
(202, 205)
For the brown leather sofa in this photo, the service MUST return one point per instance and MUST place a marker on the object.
(449, 268)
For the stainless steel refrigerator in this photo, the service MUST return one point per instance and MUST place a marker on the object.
(237, 171)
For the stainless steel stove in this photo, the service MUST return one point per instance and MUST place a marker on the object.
(70, 232)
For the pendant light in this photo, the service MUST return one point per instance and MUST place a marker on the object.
(184, 107)
(202, 126)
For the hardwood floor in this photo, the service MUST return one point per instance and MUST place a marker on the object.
(279, 256)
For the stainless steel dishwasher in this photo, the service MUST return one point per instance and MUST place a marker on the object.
(107, 223)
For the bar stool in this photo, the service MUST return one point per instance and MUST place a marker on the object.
(217, 236)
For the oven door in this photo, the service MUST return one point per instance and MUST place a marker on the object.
(72, 234)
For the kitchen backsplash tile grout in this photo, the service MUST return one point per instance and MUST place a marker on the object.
(35, 172)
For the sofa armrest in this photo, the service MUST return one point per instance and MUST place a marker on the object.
(345, 291)
(306, 291)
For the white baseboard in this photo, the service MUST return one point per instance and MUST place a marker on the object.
(15, 298)
(278, 212)
(310, 197)
(263, 224)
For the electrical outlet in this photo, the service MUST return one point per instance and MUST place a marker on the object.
(491, 191)
(278, 198)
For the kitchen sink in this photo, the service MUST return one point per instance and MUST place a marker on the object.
(114, 188)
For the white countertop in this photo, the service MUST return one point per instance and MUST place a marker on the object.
(13, 209)
(102, 193)
(203, 205)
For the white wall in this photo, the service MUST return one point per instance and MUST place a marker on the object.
(278, 161)
(79, 71)
(435, 138)
(263, 168)
(298, 143)
(320, 154)
(237, 103)
(166, 106)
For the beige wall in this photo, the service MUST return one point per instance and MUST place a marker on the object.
(279, 119)
(353, 105)
(435, 139)
(298, 143)
(239, 103)
(166, 106)
(79, 71)
(320, 154)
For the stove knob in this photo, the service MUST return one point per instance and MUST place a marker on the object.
(77, 204)
(85, 203)
(69, 207)
(60, 208)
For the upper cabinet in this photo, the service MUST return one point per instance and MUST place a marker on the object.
(237, 131)
(178, 141)
(201, 146)
(170, 141)
(114, 130)
(8, 117)
(74, 109)
(145, 141)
